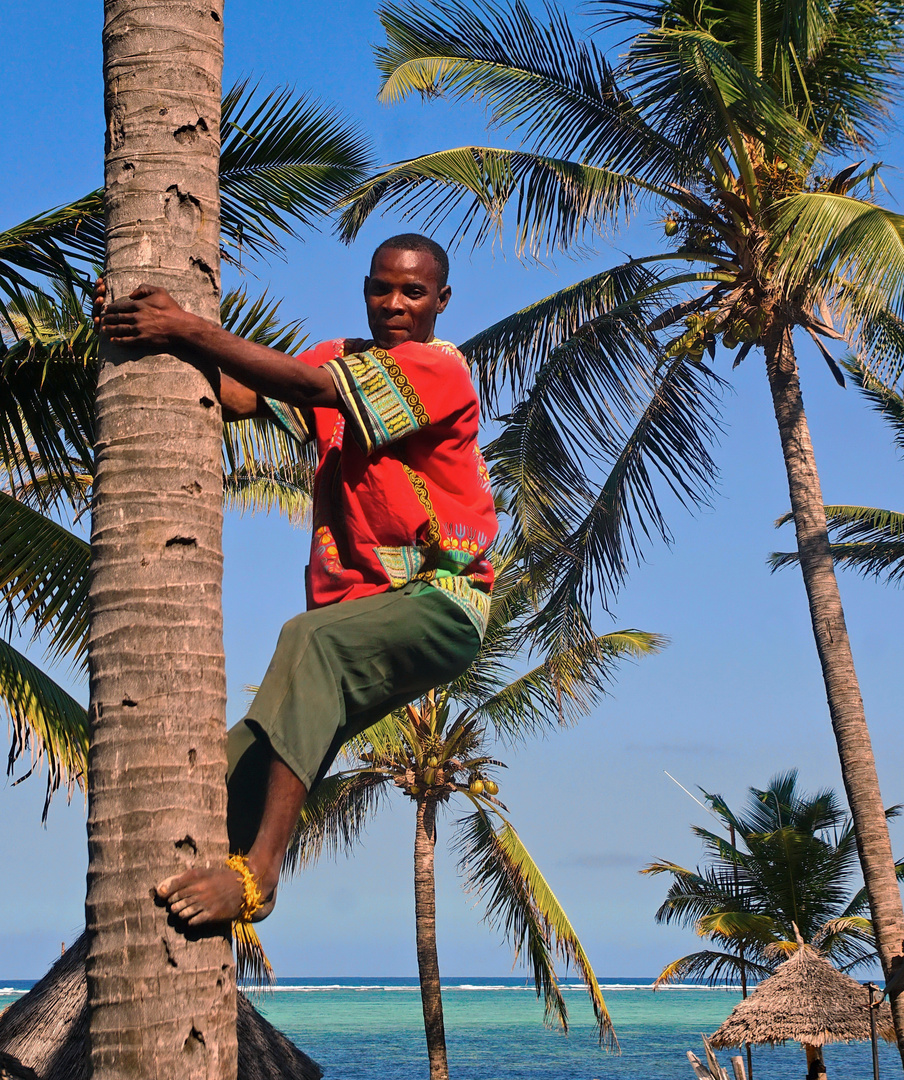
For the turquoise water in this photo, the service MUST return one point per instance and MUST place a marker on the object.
(369, 1029)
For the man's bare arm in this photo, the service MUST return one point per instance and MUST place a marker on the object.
(152, 319)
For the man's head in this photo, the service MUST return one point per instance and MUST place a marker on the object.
(406, 289)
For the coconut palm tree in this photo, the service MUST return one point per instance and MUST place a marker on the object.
(789, 860)
(283, 161)
(745, 125)
(782, 875)
(158, 1003)
(440, 752)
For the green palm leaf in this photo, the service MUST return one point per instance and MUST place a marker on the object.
(865, 539)
(825, 238)
(256, 494)
(265, 468)
(884, 397)
(44, 719)
(592, 540)
(556, 692)
(558, 202)
(284, 159)
(47, 383)
(334, 816)
(837, 65)
(700, 96)
(552, 88)
(47, 246)
(714, 968)
(44, 576)
(511, 352)
(522, 906)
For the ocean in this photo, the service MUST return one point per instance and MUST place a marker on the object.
(372, 1029)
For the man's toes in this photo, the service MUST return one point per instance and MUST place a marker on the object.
(189, 912)
(167, 887)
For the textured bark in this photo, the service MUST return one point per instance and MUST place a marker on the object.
(425, 923)
(162, 1003)
(858, 766)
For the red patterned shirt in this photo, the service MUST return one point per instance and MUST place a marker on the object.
(401, 491)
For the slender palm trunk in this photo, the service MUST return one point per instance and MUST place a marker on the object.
(425, 922)
(742, 953)
(161, 1005)
(858, 767)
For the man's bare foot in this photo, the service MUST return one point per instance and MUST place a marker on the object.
(266, 907)
(208, 896)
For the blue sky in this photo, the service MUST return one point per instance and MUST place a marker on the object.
(735, 698)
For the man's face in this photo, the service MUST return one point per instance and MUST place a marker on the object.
(403, 297)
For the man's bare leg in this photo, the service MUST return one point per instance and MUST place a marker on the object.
(205, 896)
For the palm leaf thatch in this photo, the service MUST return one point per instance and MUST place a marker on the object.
(806, 1001)
(44, 1034)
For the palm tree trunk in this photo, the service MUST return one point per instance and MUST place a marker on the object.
(858, 767)
(161, 1005)
(425, 922)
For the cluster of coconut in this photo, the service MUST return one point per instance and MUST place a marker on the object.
(478, 784)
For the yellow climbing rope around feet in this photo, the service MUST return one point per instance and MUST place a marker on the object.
(253, 899)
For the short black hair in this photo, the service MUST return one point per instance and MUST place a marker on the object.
(410, 241)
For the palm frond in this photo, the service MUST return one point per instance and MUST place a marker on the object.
(593, 538)
(562, 688)
(47, 246)
(265, 468)
(713, 968)
(284, 159)
(44, 577)
(822, 238)
(522, 906)
(558, 203)
(884, 397)
(835, 66)
(47, 383)
(333, 817)
(385, 739)
(44, 720)
(258, 320)
(252, 965)
(512, 351)
(252, 493)
(692, 88)
(864, 538)
(539, 79)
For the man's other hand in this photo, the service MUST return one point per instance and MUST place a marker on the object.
(149, 318)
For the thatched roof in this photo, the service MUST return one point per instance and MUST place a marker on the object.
(807, 1001)
(44, 1034)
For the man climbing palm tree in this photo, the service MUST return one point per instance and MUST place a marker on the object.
(398, 584)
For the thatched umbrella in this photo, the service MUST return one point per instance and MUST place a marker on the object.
(43, 1034)
(807, 1001)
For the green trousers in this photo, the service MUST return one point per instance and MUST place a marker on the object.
(336, 671)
